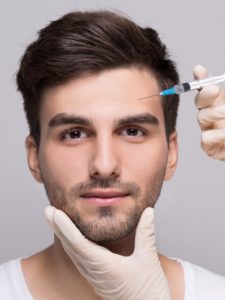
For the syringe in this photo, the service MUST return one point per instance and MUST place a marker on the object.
(189, 86)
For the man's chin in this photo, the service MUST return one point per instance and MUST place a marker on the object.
(103, 232)
(106, 229)
(107, 224)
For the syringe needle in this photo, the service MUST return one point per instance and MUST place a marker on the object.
(149, 96)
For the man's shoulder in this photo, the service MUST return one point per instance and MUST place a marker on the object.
(12, 282)
(6, 270)
(5, 279)
(208, 279)
(202, 284)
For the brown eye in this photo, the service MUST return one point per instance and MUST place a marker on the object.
(133, 132)
(73, 134)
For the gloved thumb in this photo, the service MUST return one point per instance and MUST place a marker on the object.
(208, 94)
(145, 232)
(200, 72)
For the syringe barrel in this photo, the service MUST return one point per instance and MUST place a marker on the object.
(182, 88)
(198, 84)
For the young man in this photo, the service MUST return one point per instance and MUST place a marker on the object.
(102, 155)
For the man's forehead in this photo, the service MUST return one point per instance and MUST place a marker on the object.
(132, 80)
(114, 93)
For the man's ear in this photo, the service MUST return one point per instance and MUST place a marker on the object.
(172, 156)
(32, 158)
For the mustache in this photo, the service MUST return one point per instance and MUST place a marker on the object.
(126, 187)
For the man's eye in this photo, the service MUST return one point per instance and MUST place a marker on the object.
(73, 134)
(133, 132)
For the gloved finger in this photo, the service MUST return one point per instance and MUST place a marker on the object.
(80, 245)
(88, 270)
(208, 116)
(200, 72)
(207, 96)
(212, 152)
(79, 264)
(49, 213)
(214, 141)
(95, 276)
(145, 232)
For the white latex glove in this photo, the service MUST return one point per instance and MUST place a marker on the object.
(115, 277)
(211, 104)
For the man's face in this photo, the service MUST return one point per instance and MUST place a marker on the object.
(103, 154)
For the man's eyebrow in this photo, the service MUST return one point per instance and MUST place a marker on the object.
(64, 118)
(145, 118)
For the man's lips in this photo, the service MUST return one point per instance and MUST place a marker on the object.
(104, 197)
(104, 194)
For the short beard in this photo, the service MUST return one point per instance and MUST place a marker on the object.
(106, 227)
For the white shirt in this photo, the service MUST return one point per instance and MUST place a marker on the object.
(200, 284)
(12, 282)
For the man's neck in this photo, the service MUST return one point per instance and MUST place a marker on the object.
(50, 274)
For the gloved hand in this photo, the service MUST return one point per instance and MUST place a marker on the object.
(115, 277)
(211, 103)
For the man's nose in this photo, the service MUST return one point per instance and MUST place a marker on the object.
(105, 161)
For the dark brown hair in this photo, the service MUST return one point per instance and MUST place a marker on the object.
(82, 43)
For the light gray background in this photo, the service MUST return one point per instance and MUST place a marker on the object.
(190, 213)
